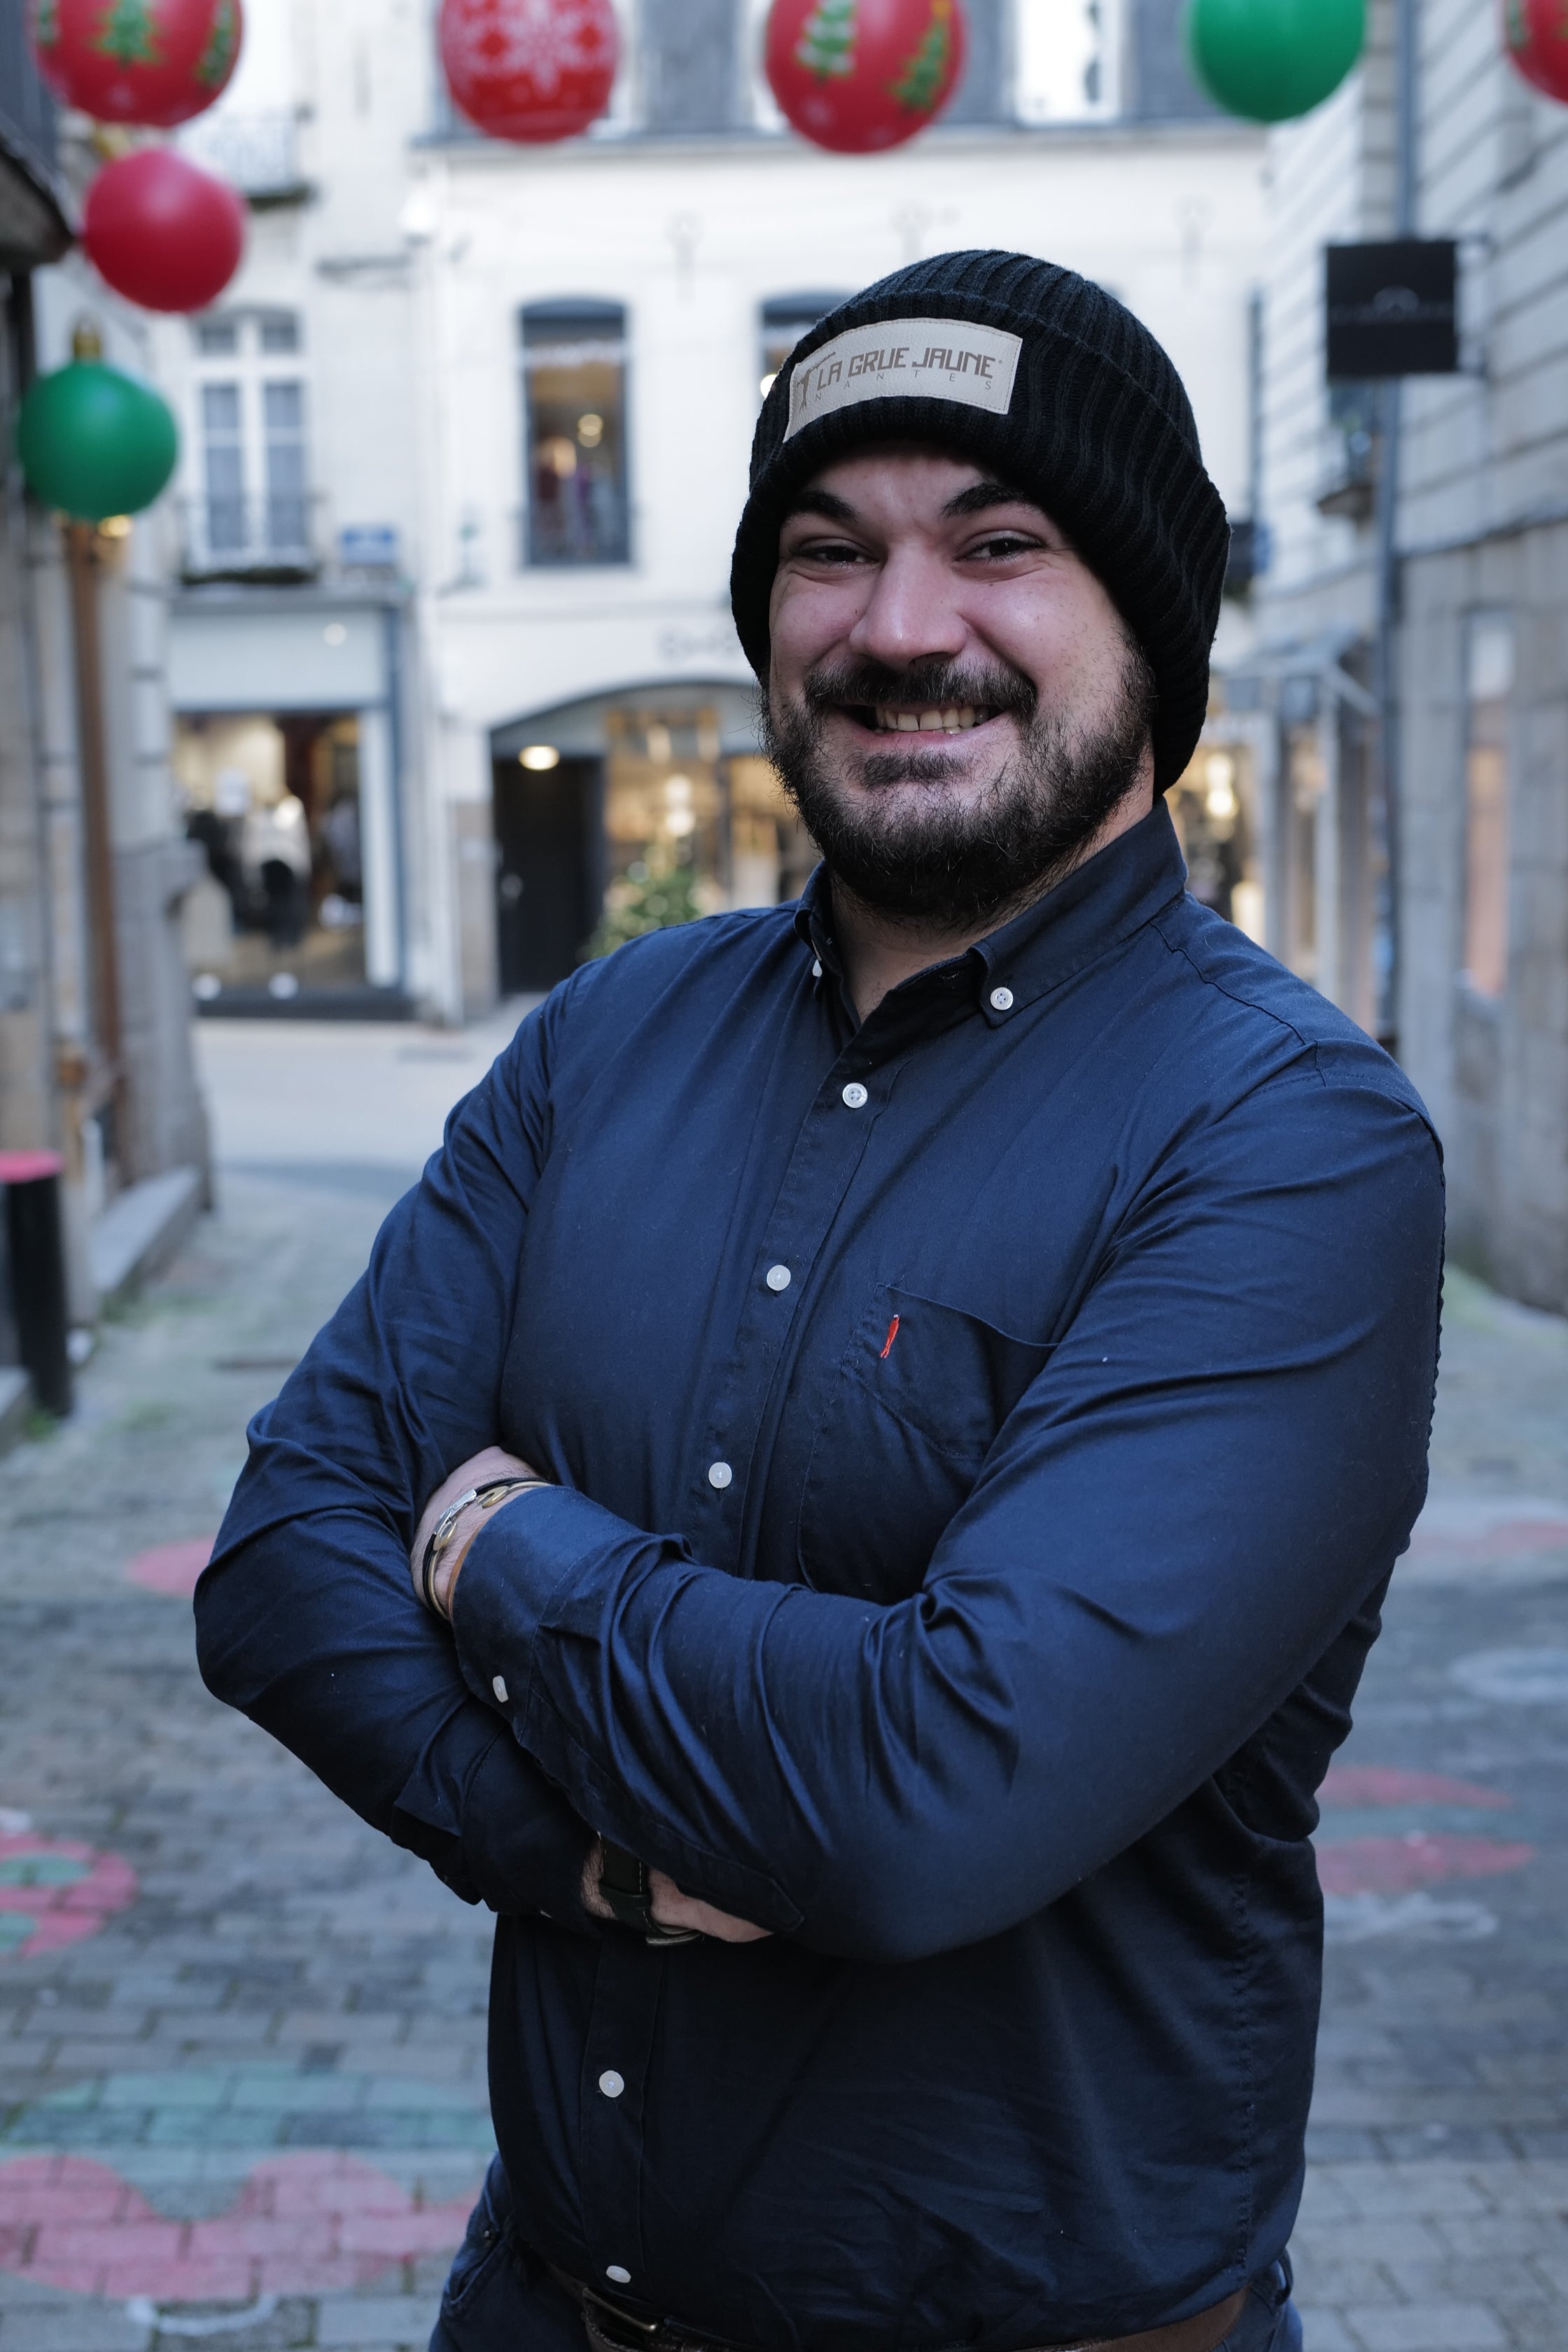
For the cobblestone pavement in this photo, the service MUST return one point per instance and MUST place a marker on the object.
(242, 2095)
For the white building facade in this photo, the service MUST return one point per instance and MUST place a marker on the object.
(1438, 917)
(467, 440)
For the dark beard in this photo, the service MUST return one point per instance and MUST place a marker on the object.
(961, 868)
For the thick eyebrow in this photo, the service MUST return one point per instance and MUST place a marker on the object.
(976, 499)
(824, 503)
(980, 496)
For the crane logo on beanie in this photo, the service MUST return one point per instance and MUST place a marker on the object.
(921, 359)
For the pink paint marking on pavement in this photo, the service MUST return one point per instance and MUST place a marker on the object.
(171, 1567)
(301, 2225)
(1386, 1784)
(1394, 1865)
(54, 1892)
(1500, 1538)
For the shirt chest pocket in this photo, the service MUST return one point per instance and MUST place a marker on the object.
(914, 1408)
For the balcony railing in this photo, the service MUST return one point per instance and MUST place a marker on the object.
(273, 536)
(258, 153)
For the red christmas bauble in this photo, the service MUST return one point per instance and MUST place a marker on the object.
(1536, 33)
(529, 69)
(153, 61)
(163, 232)
(859, 75)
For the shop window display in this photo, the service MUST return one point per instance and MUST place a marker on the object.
(1212, 809)
(274, 804)
(688, 830)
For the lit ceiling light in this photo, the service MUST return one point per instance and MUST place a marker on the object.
(539, 756)
(590, 430)
(768, 382)
(115, 526)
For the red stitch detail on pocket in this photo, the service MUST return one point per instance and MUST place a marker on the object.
(888, 1342)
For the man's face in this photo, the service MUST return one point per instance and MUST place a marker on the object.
(954, 702)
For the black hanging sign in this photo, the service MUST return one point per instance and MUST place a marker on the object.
(1392, 310)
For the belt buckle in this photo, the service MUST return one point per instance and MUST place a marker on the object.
(643, 2331)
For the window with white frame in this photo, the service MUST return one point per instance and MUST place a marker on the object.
(252, 503)
(1067, 61)
(759, 106)
(574, 429)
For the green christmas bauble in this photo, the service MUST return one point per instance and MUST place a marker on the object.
(1270, 61)
(95, 442)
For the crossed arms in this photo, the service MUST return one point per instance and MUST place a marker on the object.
(1219, 1464)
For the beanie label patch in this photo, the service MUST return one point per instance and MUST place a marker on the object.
(918, 359)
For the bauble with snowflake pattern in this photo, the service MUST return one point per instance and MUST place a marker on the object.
(157, 62)
(1535, 33)
(859, 76)
(530, 70)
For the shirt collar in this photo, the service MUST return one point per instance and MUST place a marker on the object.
(1098, 905)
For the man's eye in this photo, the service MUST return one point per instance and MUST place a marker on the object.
(833, 551)
(1003, 544)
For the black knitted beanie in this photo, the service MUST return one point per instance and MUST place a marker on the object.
(1031, 370)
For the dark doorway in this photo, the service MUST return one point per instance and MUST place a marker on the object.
(548, 886)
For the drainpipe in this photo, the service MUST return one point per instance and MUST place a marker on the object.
(1388, 575)
(92, 760)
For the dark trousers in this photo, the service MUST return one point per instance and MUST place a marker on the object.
(502, 2298)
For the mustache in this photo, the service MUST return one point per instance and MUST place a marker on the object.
(865, 683)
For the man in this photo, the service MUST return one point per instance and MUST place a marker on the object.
(946, 1370)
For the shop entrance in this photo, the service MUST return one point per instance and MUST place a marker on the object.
(548, 860)
(628, 811)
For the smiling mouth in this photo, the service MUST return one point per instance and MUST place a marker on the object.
(942, 718)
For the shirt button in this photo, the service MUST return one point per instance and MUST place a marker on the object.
(719, 1475)
(855, 1095)
(499, 1686)
(1001, 1000)
(777, 1277)
(619, 2272)
(611, 2083)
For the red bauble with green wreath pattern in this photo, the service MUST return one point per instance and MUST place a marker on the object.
(151, 62)
(1536, 34)
(860, 75)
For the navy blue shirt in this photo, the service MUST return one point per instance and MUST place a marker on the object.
(977, 1609)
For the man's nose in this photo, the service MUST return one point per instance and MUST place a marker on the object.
(912, 614)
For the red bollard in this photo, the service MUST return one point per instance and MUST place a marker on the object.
(36, 1248)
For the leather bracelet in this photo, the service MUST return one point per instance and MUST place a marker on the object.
(441, 1534)
(624, 1883)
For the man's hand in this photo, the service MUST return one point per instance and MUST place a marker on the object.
(669, 1907)
(490, 1462)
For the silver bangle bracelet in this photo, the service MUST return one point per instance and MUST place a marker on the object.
(494, 1490)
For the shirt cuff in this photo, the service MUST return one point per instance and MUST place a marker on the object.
(544, 1539)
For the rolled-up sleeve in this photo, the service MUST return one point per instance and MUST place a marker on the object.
(306, 1619)
(1217, 1467)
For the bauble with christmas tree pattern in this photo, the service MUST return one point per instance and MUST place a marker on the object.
(151, 62)
(1535, 33)
(858, 76)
